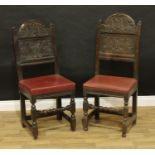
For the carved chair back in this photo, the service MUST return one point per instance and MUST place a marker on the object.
(118, 40)
(34, 44)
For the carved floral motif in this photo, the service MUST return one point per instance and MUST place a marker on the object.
(34, 41)
(118, 35)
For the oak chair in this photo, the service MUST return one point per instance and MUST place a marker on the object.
(117, 39)
(34, 44)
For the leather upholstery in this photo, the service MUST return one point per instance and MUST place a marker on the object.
(109, 83)
(46, 84)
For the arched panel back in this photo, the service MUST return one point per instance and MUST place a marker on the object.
(34, 43)
(117, 38)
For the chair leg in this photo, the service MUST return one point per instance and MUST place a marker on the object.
(58, 105)
(134, 105)
(97, 114)
(22, 109)
(73, 119)
(125, 117)
(34, 119)
(85, 117)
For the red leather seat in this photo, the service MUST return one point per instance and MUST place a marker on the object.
(46, 84)
(108, 83)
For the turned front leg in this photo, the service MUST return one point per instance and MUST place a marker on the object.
(34, 119)
(85, 117)
(58, 105)
(97, 117)
(22, 109)
(134, 106)
(125, 117)
(73, 119)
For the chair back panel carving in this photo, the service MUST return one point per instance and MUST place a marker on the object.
(118, 47)
(117, 38)
(32, 28)
(34, 50)
(120, 23)
(34, 43)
